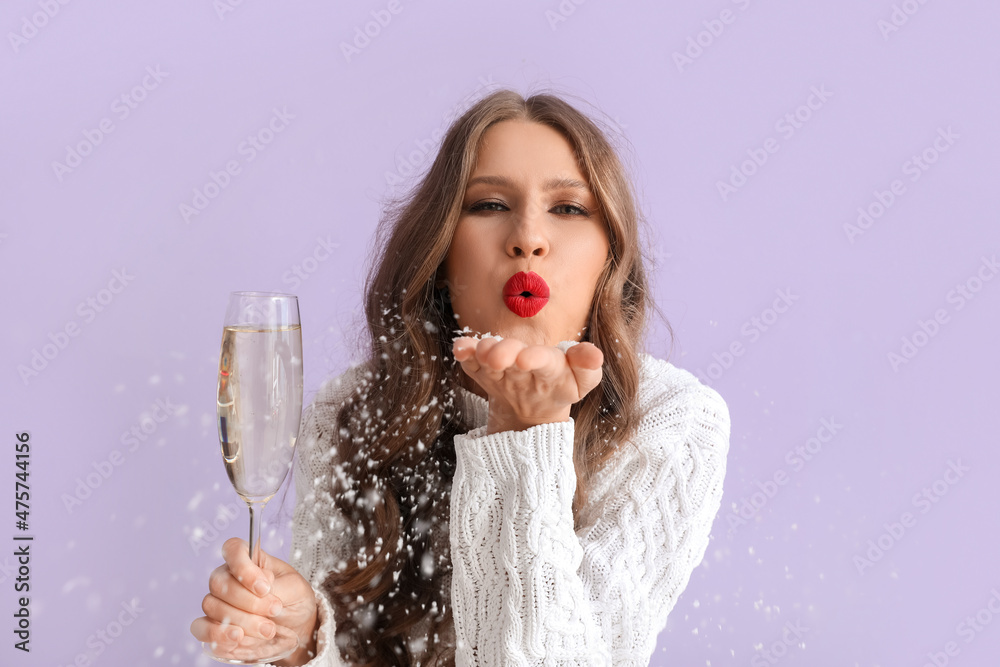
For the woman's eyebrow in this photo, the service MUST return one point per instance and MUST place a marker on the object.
(551, 184)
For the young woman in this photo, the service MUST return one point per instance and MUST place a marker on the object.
(508, 479)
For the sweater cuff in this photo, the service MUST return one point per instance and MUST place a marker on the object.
(536, 458)
(325, 651)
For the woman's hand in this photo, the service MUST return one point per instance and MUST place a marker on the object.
(245, 602)
(529, 384)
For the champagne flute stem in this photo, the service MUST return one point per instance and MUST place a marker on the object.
(256, 510)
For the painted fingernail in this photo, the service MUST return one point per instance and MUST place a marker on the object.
(261, 588)
(233, 634)
(275, 609)
(267, 629)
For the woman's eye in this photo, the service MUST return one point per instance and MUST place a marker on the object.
(560, 209)
(487, 206)
(571, 209)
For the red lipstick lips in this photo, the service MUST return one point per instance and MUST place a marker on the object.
(525, 293)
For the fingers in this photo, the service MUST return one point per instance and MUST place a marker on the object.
(585, 355)
(490, 354)
(243, 608)
(225, 637)
(585, 360)
(240, 596)
(499, 356)
(236, 553)
(224, 587)
(233, 613)
(251, 625)
(464, 348)
(540, 360)
(471, 354)
(490, 360)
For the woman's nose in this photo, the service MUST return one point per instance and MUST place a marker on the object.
(527, 236)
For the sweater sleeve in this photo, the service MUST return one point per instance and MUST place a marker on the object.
(528, 589)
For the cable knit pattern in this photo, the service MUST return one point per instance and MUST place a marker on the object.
(528, 589)
(516, 593)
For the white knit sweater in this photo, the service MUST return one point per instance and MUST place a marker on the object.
(526, 588)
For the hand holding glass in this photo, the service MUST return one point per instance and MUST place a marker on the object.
(259, 408)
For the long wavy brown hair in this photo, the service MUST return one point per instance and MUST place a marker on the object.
(395, 455)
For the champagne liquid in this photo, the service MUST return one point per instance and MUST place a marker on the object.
(260, 406)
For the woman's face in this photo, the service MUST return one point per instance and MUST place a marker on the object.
(527, 208)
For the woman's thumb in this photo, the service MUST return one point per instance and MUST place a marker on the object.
(585, 360)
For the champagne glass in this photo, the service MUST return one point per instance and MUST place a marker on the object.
(259, 407)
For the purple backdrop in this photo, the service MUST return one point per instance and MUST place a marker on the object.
(820, 183)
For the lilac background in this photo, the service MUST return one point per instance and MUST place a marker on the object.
(718, 264)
